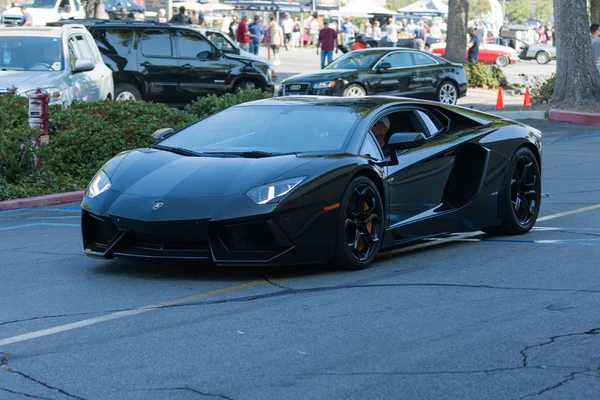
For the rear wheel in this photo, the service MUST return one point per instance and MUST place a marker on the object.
(354, 90)
(542, 57)
(126, 91)
(244, 85)
(447, 93)
(360, 225)
(522, 195)
(502, 61)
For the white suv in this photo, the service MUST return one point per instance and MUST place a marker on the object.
(64, 61)
(44, 11)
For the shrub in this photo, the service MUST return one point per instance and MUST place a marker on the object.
(16, 152)
(541, 89)
(205, 106)
(85, 135)
(487, 76)
(15, 111)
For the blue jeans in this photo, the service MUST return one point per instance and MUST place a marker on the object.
(245, 46)
(328, 54)
(254, 48)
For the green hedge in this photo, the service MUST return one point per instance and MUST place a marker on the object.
(84, 136)
(480, 75)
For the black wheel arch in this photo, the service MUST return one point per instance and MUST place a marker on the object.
(376, 179)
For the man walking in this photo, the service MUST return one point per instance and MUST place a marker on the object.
(288, 27)
(391, 33)
(181, 18)
(26, 19)
(242, 36)
(256, 35)
(473, 46)
(420, 36)
(327, 39)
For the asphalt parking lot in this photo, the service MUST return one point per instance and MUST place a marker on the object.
(469, 316)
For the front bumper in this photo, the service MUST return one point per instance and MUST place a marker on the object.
(307, 89)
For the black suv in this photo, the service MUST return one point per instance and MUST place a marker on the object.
(173, 64)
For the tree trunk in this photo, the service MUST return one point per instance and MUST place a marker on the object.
(577, 80)
(595, 11)
(456, 38)
(95, 9)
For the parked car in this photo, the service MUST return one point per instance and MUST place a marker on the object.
(173, 64)
(113, 7)
(383, 71)
(64, 61)
(540, 52)
(44, 11)
(229, 47)
(488, 53)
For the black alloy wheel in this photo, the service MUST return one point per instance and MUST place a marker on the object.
(361, 223)
(522, 195)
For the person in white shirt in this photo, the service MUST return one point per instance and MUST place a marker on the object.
(376, 32)
(392, 33)
(313, 33)
(288, 27)
(435, 30)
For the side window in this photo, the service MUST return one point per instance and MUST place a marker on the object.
(432, 125)
(83, 48)
(370, 148)
(156, 43)
(73, 52)
(113, 41)
(400, 59)
(423, 59)
(219, 41)
(92, 46)
(193, 46)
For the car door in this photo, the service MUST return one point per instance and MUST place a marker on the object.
(80, 84)
(93, 78)
(429, 73)
(398, 78)
(202, 70)
(159, 66)
(416, 184)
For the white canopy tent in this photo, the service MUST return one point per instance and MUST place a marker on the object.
(364, 8)
(215, 7)
(423, 7)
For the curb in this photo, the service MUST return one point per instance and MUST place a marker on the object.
(526, 114)
(41, 200)
(575, 117)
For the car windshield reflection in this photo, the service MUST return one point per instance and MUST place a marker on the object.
(355, 60)
(30, 53)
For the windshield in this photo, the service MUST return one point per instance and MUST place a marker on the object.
(271, 129)
(30, 53)
(355, 60)
(219, 40)
(39, 3)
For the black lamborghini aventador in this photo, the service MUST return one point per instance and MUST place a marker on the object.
(303, 179)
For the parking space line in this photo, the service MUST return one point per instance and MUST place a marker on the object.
(67, 209)
(22, 226)
(127, 313)
(564, 214)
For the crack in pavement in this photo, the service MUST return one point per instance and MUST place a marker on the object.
(282, 286)
(194, 391)
(24, 394)
(4, 366)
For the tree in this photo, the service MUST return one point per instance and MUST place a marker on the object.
(95, 9)
(544, 9)
(577, 80)
(456, 38)
(396, 4)
(595, 11)
(477, 8)
(517, 11)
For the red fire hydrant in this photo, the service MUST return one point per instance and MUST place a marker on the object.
(39, 117)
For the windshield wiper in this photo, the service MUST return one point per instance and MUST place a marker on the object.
(179, 150)
(246, 154)
(11, 69)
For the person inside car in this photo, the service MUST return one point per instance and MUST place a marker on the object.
(380, 130)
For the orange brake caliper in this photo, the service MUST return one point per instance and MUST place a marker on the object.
(362, 244)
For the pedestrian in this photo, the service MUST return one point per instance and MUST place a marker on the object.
(420, 36)
(296, 33)
(233, 27)
(368, 30)
(256, 35)
(392, 33)
(242, 36)
(479, 31)
(435, 30)
(411, 25)
(162, 16)
(327, 41)
(473, 46)
(277, 37)
(313, 33)
(26, 19)
(348, 28)
(376, 33)
(124, 14)
(267, 37)
(595, 33)
(288, 27)
(201, 21)
(181, 18)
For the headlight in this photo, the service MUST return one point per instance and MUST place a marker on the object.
(273, 192)
(54, 93)
(98, 185)
(323, 85)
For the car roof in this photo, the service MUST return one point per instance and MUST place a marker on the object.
(140, 24)
(366, 104)
(46, 31)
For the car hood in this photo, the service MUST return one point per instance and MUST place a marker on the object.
(247, 55)
(160, 174)
(27, 80)
(321, 75)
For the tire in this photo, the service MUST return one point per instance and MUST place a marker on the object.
(243, 85)
(360, 226)
(354, 90)
(447, 93)
(521, 195)
(502, 61)
(126, 91)
(542, 57)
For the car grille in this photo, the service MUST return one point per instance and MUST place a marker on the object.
(98, 232)
(168, 235)
(295, 88)
(250, 236)
(11, 21)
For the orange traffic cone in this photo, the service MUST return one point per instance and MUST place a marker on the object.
(500, 100)
(527, 102)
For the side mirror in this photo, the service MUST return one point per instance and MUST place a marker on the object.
(84, 65)
(162, 133)
(383, 66)
(229, 50)
(405, 141)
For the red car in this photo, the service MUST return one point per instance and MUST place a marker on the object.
(488, 53)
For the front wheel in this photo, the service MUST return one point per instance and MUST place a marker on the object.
(521, 197)
(502, 61)
(244, 85)
(354, 90)
(360, 227)
(126, 91)
(542, 57)
(447, 93)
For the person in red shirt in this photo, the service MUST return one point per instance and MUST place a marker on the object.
(242, 36)
(327, 41)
